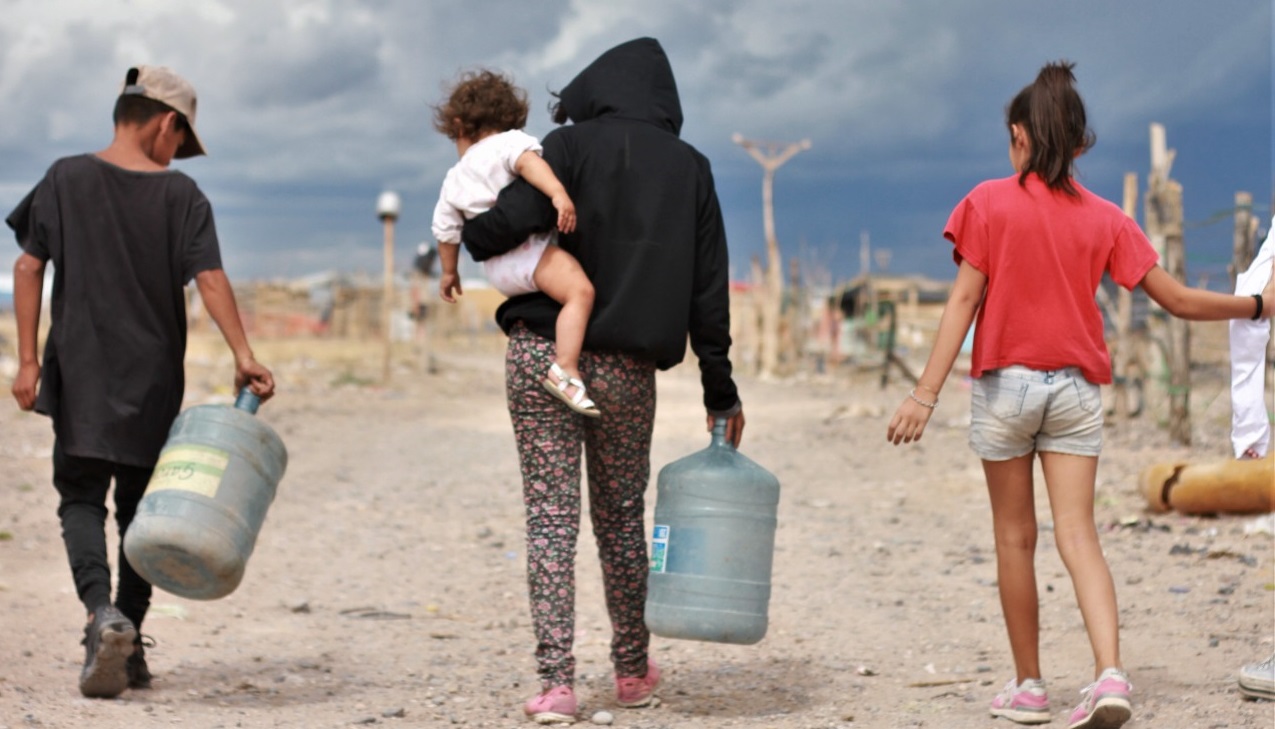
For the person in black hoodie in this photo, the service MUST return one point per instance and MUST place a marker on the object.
(649, 235)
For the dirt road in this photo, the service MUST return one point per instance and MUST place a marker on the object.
(387, 587)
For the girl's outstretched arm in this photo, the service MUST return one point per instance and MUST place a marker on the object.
(962, 304)
(1185, 302)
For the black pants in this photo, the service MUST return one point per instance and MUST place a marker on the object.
(82, 484)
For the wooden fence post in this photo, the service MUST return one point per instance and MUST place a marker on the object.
(1124, 317)
(1245, 245)
(793, 341)
(758, 313)
(1164, 217)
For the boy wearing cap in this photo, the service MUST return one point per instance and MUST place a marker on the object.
(125, 235)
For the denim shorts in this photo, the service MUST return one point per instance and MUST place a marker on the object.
(1016, 410)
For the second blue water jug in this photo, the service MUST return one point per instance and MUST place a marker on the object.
(712, 546)
(197, 524)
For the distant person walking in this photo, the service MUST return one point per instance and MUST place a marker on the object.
(1031, 250)
(650, 237)
(484, 115)
(125, 234)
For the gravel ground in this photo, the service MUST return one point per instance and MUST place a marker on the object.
(387, 587)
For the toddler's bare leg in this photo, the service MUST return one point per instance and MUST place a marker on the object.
(560, 276)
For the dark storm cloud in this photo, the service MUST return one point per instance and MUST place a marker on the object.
(311, 107)
(762, 75)
(299, 69)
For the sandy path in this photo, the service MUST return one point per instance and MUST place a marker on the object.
(387, 586)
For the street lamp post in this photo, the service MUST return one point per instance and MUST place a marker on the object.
(387, 209)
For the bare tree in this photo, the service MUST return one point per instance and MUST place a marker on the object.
(771, 156)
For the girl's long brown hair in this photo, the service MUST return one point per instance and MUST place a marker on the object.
(1052, 114)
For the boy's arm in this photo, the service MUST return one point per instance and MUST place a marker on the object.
(219, 299)
(28, 290)
(532, 168)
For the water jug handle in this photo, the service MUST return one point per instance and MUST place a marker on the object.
(248, 401)
(719, 433)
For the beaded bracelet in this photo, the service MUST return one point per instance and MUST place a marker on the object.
(922, 403)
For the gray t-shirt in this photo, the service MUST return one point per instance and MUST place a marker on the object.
(123, 244)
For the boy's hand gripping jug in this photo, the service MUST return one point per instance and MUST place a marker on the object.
(198, 521)
(712, 546)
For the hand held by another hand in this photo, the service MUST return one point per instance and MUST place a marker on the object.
(1268, 296)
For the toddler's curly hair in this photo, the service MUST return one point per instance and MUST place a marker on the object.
(481, 101)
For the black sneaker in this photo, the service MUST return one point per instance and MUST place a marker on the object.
(108, 642)
(139, 675)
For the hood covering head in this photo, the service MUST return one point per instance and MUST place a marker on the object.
(633, 80)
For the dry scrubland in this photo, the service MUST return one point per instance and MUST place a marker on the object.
(387, 585)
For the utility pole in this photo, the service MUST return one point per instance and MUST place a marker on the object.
(771, 156)
(865, 254)
(387, 209)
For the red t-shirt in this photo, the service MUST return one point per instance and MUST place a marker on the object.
(1044, 253)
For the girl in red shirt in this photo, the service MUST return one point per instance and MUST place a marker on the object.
(1031, 250)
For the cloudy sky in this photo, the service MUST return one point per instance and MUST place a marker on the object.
(310, 108)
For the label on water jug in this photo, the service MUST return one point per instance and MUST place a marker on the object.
(659, 548)
(190, 468)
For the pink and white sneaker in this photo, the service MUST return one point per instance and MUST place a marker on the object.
(558, 705)
(637, 691)
(1025, 703)
(1106, 704)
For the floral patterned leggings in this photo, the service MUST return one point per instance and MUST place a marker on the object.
(618, 448)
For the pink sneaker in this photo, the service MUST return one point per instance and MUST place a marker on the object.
(634, 692)
(556, 706)
(1025, 703)
(1106, 703)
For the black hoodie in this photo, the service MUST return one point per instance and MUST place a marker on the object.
(649, 229)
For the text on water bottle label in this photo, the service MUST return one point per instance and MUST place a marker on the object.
(189, 467)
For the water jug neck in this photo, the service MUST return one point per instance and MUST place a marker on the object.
(247, 401)
(719, 433)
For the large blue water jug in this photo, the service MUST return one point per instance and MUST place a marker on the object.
(712, 546)
(197, 524)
